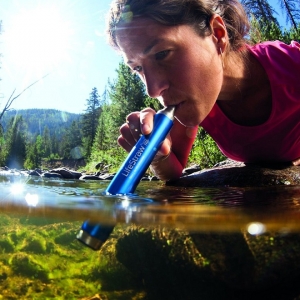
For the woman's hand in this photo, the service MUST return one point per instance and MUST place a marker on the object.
(138, 123)
(173, 153)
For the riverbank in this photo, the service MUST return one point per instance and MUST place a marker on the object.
(72, 164)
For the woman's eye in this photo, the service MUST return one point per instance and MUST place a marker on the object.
(162, 54)
(138, 69)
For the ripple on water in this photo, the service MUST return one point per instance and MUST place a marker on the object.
(195, 208)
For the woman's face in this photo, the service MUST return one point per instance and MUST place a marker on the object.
(177, 66)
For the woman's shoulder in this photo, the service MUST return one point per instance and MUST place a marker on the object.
(275, 50)
(280, 60)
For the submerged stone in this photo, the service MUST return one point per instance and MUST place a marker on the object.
(25, 265)
(174, 264)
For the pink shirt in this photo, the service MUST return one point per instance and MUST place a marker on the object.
(278, 139)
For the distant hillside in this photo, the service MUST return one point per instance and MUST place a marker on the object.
(38, 119)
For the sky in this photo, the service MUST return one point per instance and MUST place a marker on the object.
(61, 42)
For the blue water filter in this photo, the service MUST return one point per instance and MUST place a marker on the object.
(130, 174)
(141, 155)
(94, 235)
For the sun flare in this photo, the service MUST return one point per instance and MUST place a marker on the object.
(39, 39)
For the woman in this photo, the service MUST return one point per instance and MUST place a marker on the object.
(192, 54)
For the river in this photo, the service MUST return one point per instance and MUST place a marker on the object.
(40, 217)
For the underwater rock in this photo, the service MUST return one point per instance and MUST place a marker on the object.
(178, 265)
(165, 261)
(66, 238)
(96, 297)
(35, 244)
(4, 272)
(277, 257)
(25, 265)
(238, 174)
(6, 245)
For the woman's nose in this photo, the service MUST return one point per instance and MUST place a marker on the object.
(156, 82)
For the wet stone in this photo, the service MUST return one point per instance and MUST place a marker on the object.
(237, 174)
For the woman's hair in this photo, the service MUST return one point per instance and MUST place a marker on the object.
(196, 13)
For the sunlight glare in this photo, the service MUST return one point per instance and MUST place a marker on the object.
(39, 39)
(17, 188)
(32, 199)
(256, 228)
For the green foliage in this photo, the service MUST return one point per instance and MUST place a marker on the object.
(13, 146)
(53, 156)
(269, 31)
(34, 154)
(102, 140)
(89, 121)
(153, 103)
(71, 139)
(37, 119)
(126, 94)
(47, 146)
(205, 151)
(23, 144)
(113, 158)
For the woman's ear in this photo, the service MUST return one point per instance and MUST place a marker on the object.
(219, 31)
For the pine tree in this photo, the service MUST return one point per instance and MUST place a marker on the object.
(90, 121)
(101, 139)
(34, 154)
(71, 139)
(47, 142)
(292, 10)
(15, 143)
(126, 94)
(265, 27)
(260, 10)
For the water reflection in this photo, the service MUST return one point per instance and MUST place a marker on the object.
(32, 199)
(256, 228)
(197, 209)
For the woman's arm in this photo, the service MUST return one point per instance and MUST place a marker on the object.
(170, 166)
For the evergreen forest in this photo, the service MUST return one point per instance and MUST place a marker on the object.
(28, 137)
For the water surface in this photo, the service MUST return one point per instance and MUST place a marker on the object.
(220, 209)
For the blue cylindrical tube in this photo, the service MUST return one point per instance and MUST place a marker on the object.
(94, 235)
(130, 174)
(141, 155)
